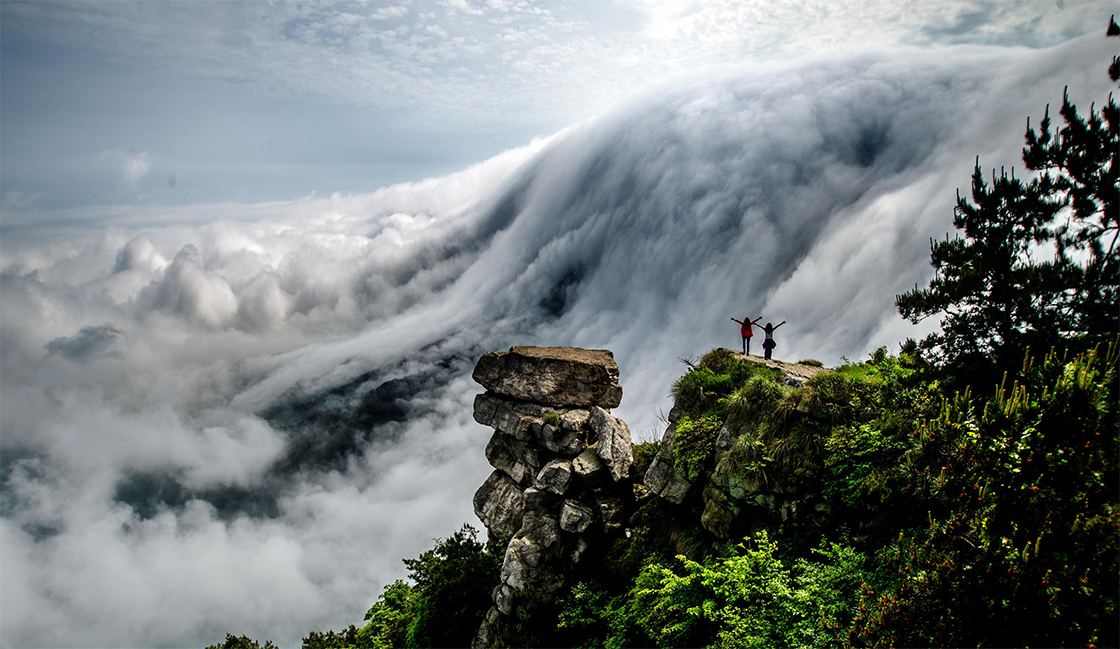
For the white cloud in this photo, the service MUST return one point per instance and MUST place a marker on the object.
(574, 62)
(164, 395)
(135, 167)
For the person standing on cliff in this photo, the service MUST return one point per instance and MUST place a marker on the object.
(769, 343)
(747, 331)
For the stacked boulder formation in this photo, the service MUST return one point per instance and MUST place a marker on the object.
(562, 464)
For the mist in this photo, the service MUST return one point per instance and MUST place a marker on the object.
(240, 417)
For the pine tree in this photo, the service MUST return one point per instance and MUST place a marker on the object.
(1038, 264)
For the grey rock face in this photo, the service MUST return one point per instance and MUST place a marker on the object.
(575, 516)
(555, 476)
(614, 445)
(719, 511)
(661, 476)
(540, 529)
(677, 489)
(498, 504)
(515, 458)
(559, 439)
(588, 464)
(559, 376)
(535, 499)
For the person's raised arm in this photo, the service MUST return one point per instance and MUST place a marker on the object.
(739, 321)
(756, 319)
(779, 324)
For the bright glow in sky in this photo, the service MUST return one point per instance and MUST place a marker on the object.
(181, 102)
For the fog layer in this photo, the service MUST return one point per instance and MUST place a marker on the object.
(240, 418)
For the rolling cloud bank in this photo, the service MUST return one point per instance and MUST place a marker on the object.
(240, 418)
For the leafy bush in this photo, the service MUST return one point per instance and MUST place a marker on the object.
(1029, 552)
(747, 600)
(444, 608)
(694, 444)
(388, 619)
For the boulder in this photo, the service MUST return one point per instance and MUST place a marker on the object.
(677, 489)
(579, 548)
(555, 476)
(522, 556)
(557, 376)
(503, 597)
(482, 639)
(588, 464)
(537, 499)
(562, 440)
(661, 476)
(614, 445)
(540, 529)
(498, 504)
(720, 511)
(514, 458)
(576, 516)
(658, 474)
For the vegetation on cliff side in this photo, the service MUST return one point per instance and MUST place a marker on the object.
(961, 493)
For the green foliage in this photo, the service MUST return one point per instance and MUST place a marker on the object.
(1029, 552)
(452, 592)
(811, 362)
(581, 619)
(348, 639)
(718, 374)
(747, 600)
(444, 607)
(552, 418)
(693, 445)
(241, 642)
(387, 620)
(643, 457)
(1038, 264)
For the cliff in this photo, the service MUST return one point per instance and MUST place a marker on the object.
(562, 464)
(565, 486)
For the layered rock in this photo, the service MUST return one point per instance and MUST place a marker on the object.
(558, 376)
(562, 463)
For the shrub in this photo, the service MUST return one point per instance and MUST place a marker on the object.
(746, 600)
(694, 445)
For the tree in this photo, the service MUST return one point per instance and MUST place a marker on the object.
(453, 584)
(1038, 264)
(241, 642)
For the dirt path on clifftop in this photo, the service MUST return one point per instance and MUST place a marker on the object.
(794, 372)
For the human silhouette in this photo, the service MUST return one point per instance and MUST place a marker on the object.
(747, 331)
(769, 343)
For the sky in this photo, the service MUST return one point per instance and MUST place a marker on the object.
(186, 102)
(250, 252)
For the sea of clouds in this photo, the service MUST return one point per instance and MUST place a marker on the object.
(232, 417)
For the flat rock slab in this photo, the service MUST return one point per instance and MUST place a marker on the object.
(555, 376)
(793, 371)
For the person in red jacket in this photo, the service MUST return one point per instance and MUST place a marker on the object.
(769, 343)
(747, 331)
